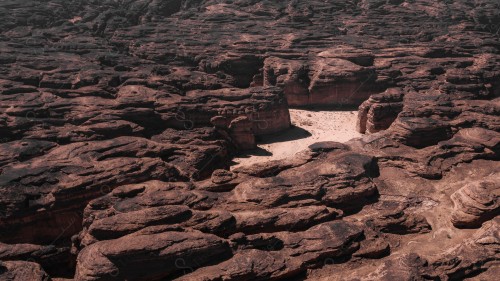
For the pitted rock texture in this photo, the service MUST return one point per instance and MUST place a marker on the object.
(119, 121)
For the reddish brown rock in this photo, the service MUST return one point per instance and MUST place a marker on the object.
(21, 270)
(404, 267)
(54, 206)
(474, 255)
(476, 202)
(266, 108)
(373, 248)
(328, 79)
(107, 106)
(379, 111)
(337, 181)
(469, 258)
(300, 251)
(392, 217)
(53, 259)
(157, 254)
(282, 218)
(338, 81)
(129, 210)
(240, 130)
(420, 132)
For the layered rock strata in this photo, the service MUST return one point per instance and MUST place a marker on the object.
(119, 119)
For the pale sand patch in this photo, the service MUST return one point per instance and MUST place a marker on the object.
(75, 19)
(311, 126)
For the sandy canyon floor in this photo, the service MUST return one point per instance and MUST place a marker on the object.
(119, 120)
(309, 126)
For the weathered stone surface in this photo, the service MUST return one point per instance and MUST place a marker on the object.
(241, 130)
(337, 180)
(476, 202)
(129, 208)
(379, 111)
(432, 161)
(157, 255)
(55, 260)
(180, 206)
(468, 258)
(21, 270)
(474, 255)
(420, 132)
(300, 251)
(114, 116)
(392, 218)
(69, 176)
(373, 248)
(266, 108)
(326, 80)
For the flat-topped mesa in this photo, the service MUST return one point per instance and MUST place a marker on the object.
(265, 107)
(331, 78)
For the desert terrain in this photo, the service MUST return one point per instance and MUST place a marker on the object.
(309, 126)
(249, 140)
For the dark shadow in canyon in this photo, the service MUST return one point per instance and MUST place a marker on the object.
(254, 152)
(293, 133)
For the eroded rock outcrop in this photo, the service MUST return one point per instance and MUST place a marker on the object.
(238, 131)
(379, 111)
(53, 259)
(299, 251)
(158, 253)
(476, 202)
(392, 217)
(240, 213)
(19, 270)
(266, 108)
(470, 257)
(326, 80)
(70, 182)
(474, 255)
(108, 140)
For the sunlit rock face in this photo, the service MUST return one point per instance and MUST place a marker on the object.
(120, 122)
(322, 81)
(379, 111)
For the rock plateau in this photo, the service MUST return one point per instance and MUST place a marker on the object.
(119, 121)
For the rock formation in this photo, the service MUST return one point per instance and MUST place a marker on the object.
(325, 80)
(380, 110)
(119, 121)
(20, 270)
(476, 202)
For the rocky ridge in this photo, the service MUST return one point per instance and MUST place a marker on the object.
(119, 119)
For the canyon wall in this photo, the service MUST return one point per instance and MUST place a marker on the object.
(119, 120)
(325, 80)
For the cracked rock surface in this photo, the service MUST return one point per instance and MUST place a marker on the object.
(119, 121)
